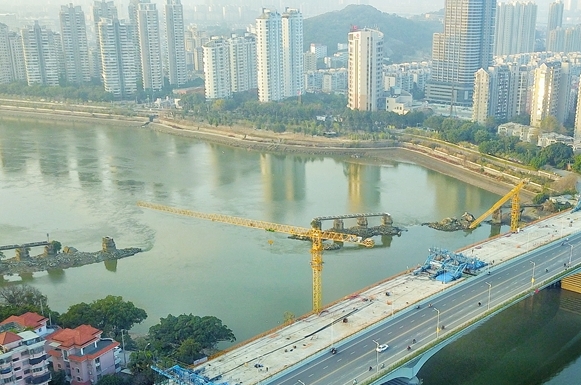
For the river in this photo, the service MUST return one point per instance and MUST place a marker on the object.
(78, 183)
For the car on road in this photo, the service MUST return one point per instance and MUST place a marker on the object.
(382, 348)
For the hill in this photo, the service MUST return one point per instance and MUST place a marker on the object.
(404, 39)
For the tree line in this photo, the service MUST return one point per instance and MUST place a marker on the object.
(182, 339)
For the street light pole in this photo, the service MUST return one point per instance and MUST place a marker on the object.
(489, 288)
(123, 344)
(571, 254)
(376, 357)
(437, 324)
(533, 278)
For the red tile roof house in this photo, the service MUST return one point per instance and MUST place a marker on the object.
(31, 321)
(83, 354)
(23, 360)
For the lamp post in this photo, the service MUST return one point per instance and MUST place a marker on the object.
(437, 324)
(376, 357)
(571, 254)
(123, 345)
(489, 288)
(533, 277)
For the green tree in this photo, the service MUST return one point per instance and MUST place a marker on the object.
(551, 124)
(189, 351)
(111, 379)
(58, 377)
(172, 331)
(110, 314)
(558, 154)
(577, 164)
(22, 295)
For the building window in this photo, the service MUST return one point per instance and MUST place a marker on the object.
(78, 371)
(79, 379)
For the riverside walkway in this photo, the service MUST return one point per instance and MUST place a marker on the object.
(258, 360)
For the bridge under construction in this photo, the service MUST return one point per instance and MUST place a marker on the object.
(263, 360)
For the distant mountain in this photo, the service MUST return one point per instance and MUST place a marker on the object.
(404, 39)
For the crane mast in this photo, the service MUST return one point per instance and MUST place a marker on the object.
(315, 234)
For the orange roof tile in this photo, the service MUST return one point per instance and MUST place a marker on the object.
(9, 337)
(79, 336)
(27, 320)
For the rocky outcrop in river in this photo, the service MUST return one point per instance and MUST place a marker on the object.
(69, 257)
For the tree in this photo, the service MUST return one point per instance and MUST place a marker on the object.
(551, 124)
(22, 295)
(172, 331)
(111, 379)
(58, 377)
(110, 314)
(558, 154)
(189, 351)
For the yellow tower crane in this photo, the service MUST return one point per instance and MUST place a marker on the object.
(515, 207)
(316, 235)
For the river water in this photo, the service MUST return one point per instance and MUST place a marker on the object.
(81, 182)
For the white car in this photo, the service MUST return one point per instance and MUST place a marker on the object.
(382, 348)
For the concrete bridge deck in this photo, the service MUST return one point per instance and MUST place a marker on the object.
(257, 360)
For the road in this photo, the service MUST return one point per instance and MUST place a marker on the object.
(451, 308)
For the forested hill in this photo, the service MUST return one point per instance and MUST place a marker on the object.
(404, 39)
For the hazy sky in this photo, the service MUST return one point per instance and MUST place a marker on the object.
(401, 7)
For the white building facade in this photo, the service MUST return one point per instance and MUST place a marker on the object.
(41, 55)
(364, 70)
(269, 56)
(74, 44)
(292, 52)
(515, 28)
(176, 46)
(149, 46)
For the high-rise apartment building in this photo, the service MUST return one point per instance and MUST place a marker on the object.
(117, 57)
(515, 28)
(5, 62)
(555, 15)
(176, 46)
(577, 130)
(149, 46)
(242, 62)
(465, 45)
(107, 10)
(292, 52)
(494, 94)
(364, 69)
(18, 65)
(74, 44)
(132, 10)
(556, 40)
(217, 68)
(545, 92)
(269, 56)
(229, 65)
(41, 55)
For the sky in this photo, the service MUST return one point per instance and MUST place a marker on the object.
(50, 8)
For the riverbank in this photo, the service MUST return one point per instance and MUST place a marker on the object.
(376, 152)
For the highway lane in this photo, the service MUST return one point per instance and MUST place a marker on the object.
(456, 306)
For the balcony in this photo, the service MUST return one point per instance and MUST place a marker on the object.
(34, 361)
(35, 380)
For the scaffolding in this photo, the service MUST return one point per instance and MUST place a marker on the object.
(445, 265)
(184, 376)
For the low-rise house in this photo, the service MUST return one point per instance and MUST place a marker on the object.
(83, 354)
(549, 138)
(29, 320)
(23, 360)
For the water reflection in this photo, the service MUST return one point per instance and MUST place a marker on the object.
(283, 178)
(525, 344)
(111, 265)
(362, 186)
(56, 275)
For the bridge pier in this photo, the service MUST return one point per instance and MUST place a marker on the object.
(497, 217)
(22, 253)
